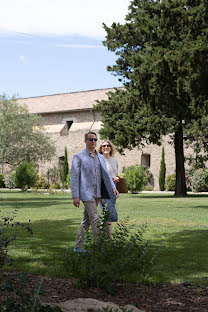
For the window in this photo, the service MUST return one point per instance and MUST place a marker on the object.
(66, 128)
(145, 160)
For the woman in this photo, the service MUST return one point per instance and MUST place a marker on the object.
(107, 150)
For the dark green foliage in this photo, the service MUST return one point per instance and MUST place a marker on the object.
(200, 180)
(137, 177)
(162, 171)
(67, 183)
(26, 176)
(170, 183)
(23, 297)
(162, 61)
(107, 261)
(1, 180)
(65, 167)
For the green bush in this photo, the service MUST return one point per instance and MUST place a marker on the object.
(137, 177)
(170, 183)
(107, 261)
(26, 175)
(200, 181)
(1, 180)
(54, 186)
(9, 180)
(41, 182)
(65, 169)
(67, 183)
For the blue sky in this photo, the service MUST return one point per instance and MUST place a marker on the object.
(55, 46)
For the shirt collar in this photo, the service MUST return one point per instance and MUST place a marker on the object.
(89, 153)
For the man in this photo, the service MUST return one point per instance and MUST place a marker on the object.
(90, 181)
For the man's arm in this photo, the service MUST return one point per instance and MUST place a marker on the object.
(75, 180)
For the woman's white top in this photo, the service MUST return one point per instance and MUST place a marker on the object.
(112, 166)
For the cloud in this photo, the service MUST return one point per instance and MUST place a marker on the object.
(61, 17)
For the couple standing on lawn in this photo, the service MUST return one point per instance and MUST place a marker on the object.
(93, 180)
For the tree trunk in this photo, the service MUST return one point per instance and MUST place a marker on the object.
(179, 158)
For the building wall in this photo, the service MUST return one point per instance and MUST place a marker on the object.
(74, 141)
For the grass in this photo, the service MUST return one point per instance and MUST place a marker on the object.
(179, 225)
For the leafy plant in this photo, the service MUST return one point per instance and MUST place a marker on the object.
(137, 177)
(162, 171)
(10, 179)
(200, 180)
(54, 174)
(65, 169)
(41, 182)
(26, 175)
(67, 183)
(170, 183)
(107, 261)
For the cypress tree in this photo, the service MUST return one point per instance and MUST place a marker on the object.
(65, 166)
(162, 171)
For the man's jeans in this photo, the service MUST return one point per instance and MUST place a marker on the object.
(90, 218)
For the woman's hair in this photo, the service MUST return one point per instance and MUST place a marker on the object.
(112, 152)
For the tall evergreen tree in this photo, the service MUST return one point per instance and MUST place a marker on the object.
(162, 51)
(65, 166)
(162, 171)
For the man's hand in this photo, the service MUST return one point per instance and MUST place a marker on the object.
(116, 192)
(76, 201)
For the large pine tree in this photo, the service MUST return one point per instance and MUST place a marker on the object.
(162, 52)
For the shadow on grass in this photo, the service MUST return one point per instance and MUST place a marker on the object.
(43, 251)
(183, 256)
(155, 195)
(33, 202)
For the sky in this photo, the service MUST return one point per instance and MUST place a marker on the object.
(55, 46)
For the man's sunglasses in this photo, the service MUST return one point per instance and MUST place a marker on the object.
(91, 139)
(107, 145)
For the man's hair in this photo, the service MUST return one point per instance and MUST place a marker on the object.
(90, 132)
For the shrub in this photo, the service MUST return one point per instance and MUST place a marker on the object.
(55, 186)
(170, 183)
(106, 261)
(26, 175)
(1, 180)
(65, 169)
(137, 177)
(67, 183)
(200, 181)
(148, 188)
(41, 182)
(162, 171)
(10, 180)
(54, 174)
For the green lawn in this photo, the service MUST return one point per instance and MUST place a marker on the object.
(179, 225)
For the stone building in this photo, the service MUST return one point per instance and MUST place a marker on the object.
(67, 117)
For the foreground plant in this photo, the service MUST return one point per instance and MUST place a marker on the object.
(126, 257)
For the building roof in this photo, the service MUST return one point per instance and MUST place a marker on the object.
(64, 102)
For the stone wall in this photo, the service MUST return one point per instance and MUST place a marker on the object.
(74, 141)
